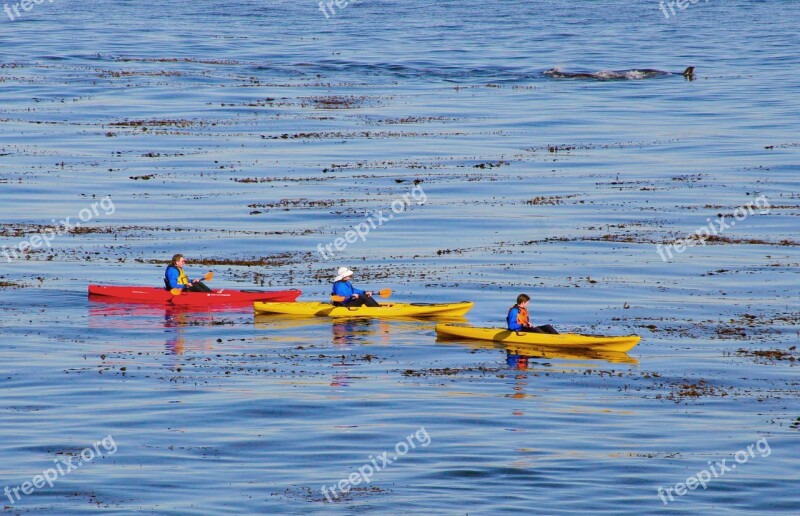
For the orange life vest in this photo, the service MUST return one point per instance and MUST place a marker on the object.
(522, 315)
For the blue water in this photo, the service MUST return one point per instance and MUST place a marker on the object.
(255, 133)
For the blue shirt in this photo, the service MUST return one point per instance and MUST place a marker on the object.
(171, 278)
(511, 320)
(346, 290)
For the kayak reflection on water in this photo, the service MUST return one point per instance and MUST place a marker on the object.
(347, 332)
(516, 361)
(175, 320)
(355, 330)
(119, 320)
(175, 345)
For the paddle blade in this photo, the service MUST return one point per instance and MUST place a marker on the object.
(337, 299)
(176, 291)
(209, 276)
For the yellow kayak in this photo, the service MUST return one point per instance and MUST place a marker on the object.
(385, 310)
(561, 341)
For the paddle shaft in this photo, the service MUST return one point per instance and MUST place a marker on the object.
(383, 293)
(206, 277)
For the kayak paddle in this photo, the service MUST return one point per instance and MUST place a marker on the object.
(383, 293)
(207, 277)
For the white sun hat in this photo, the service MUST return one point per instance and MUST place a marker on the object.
(342, 273)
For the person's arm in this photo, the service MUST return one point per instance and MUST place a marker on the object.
(358, 291)
(340, 289)
(513, 325)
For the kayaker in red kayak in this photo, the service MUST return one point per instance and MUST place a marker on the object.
(174, 277)
(518, 318)
(342, 288)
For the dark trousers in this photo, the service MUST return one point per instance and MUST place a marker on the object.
(361, 301)
(199, 287)
(545, 328)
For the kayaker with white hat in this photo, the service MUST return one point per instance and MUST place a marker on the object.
(345, 294)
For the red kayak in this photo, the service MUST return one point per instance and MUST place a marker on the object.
(216, 297)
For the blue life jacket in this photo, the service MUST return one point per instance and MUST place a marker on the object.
(175, 278)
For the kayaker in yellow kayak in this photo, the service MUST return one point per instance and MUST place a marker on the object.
(174, 277)
(345, 294)
(518, 318)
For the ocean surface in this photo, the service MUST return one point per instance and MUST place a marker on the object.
(249, 135)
